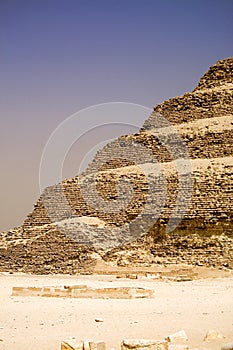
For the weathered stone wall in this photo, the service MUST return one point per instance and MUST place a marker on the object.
(216, 175)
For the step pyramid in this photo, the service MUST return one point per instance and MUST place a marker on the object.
(181, 176)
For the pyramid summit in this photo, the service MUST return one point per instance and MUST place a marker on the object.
(202, 121)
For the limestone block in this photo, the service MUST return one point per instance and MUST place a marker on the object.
(72, 344)
(97, 345)
(143, 344)
(84, 292)
(132, 276)
(177, 337)
(86, 345)
(175, 346)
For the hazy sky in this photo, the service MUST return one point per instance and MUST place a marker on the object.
(59, 56)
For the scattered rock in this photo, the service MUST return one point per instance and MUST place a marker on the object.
(99, 319)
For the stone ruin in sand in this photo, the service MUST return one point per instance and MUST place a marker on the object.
(203, 120)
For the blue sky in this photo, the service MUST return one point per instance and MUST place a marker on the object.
(57, 57)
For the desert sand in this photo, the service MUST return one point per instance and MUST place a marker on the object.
(41, 323)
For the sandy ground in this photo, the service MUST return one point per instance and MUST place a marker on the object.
(42, 323)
